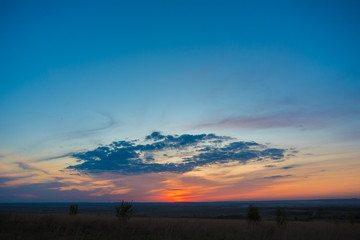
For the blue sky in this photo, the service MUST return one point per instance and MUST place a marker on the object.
(77, 75)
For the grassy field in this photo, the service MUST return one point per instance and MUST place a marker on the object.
(37, 226)
(296, 210)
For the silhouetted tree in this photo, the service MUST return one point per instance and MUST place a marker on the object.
(73, 210)
(124, 211)
(253, 214)
(281, 218)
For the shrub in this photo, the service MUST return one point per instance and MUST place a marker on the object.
(351, 218)
(335, 219)
(73, 210)
(281, 218)
(124, 211)
(253, 214)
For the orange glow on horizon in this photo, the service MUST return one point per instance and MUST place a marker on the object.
(318, 179)
(177, 196)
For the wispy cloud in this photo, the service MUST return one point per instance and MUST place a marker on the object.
(296, 120)
(255, 122)
(108, 123)
(272, 121)
(91, 131)
(26, 166)
(55, 157)
(5, 180)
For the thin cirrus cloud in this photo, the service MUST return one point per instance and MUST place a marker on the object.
(55, 157)
(300, 119)
(111, 122)
(304, 120)
(171, 153)
(257, 122)
(26, 166)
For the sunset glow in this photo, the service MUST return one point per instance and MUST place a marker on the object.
(179, 102)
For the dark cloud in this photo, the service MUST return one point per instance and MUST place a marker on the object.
(155, 136)
(277, 176)
(126, 157)
(148, 156)
(288, 167)
(270, 166)
(273, 153)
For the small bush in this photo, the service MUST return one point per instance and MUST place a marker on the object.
(124, 211)
(281, 218)
(335, 219)
(73, 210)
(253, 214)
(351, 218)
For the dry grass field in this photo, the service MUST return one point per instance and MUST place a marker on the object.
(36, 226)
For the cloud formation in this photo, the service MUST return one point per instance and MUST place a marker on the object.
(171, 153)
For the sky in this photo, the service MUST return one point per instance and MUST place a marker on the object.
(172, 101)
